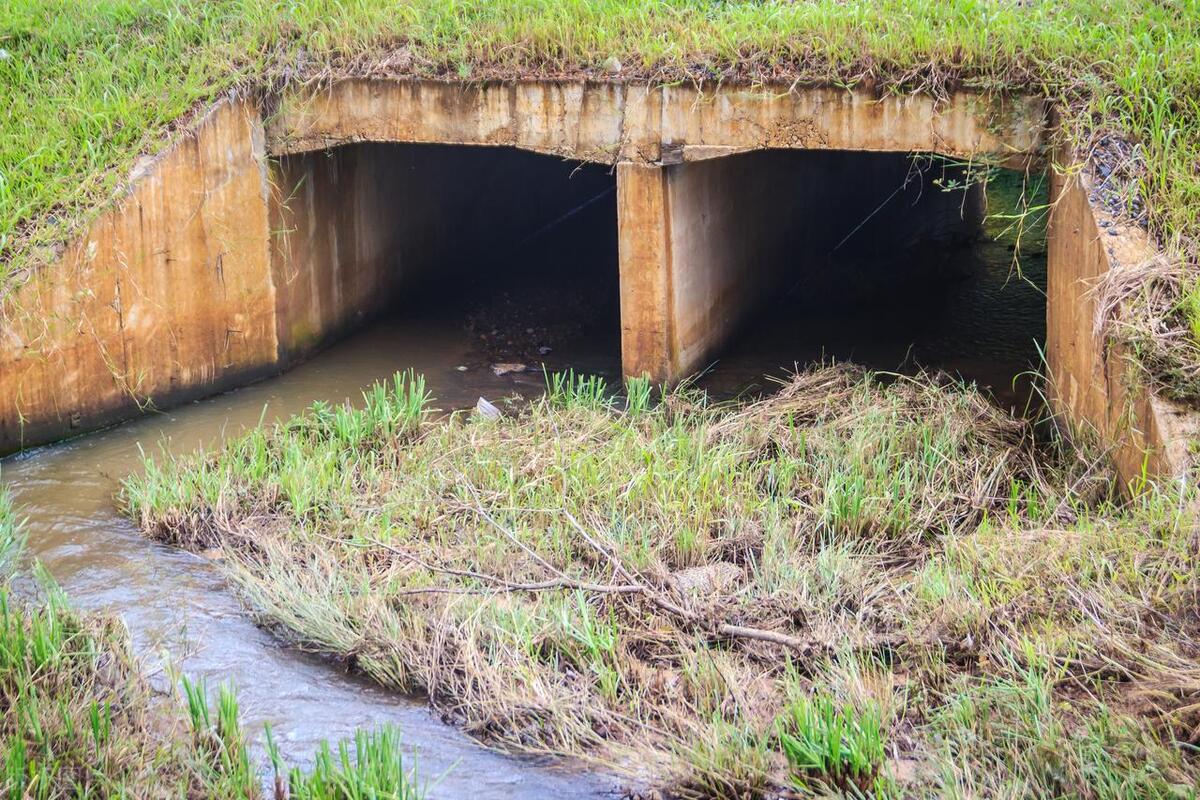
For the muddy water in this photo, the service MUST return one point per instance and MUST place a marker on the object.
(982, 322)
(177, 603)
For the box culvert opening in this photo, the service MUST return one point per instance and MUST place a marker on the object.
(894, 261)
(496, 259)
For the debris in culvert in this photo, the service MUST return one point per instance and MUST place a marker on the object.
(507, 367)
(487, 410)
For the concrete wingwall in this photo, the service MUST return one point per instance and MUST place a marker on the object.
(1093, 382)
(167, 297)
(244, 246)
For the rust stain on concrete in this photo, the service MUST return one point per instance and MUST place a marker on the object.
(168, 296)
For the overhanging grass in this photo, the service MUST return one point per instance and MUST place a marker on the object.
(92, 85)
(847, 586)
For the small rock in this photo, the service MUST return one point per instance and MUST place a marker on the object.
(504, 368)
(461, 368)
(1113, 232)
(486, 410)
(612, 65)
(706, 579)
(543, 350)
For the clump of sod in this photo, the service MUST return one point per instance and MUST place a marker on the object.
(799, 594)
(77, 718)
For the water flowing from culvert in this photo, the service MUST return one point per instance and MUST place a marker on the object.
(981, 323)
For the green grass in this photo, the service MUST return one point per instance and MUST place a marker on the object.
(373, 768)
(814, 592)
(12, 534)
(826, 743)
(99, 83)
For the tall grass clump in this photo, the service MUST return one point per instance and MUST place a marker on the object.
(12, 534)
(737, 600)
(832, 745)
(372, 768)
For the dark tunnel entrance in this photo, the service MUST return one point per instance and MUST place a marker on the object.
(482, 263)
(486, 264)
(897, 262)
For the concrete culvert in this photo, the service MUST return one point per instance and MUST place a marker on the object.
(517, 249)
(889, 259)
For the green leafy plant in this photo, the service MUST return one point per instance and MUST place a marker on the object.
(833, 744)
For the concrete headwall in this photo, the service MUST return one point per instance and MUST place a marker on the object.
(216, 267)
(617, 122)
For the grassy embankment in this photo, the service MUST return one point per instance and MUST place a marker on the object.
(846, 586)
(97, 84)
(78, 720)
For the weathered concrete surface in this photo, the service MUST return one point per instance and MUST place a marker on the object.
(703, 245)
(648, 338)
(1092, 383)
(627, 122)
(168, 296)
(334, 218)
